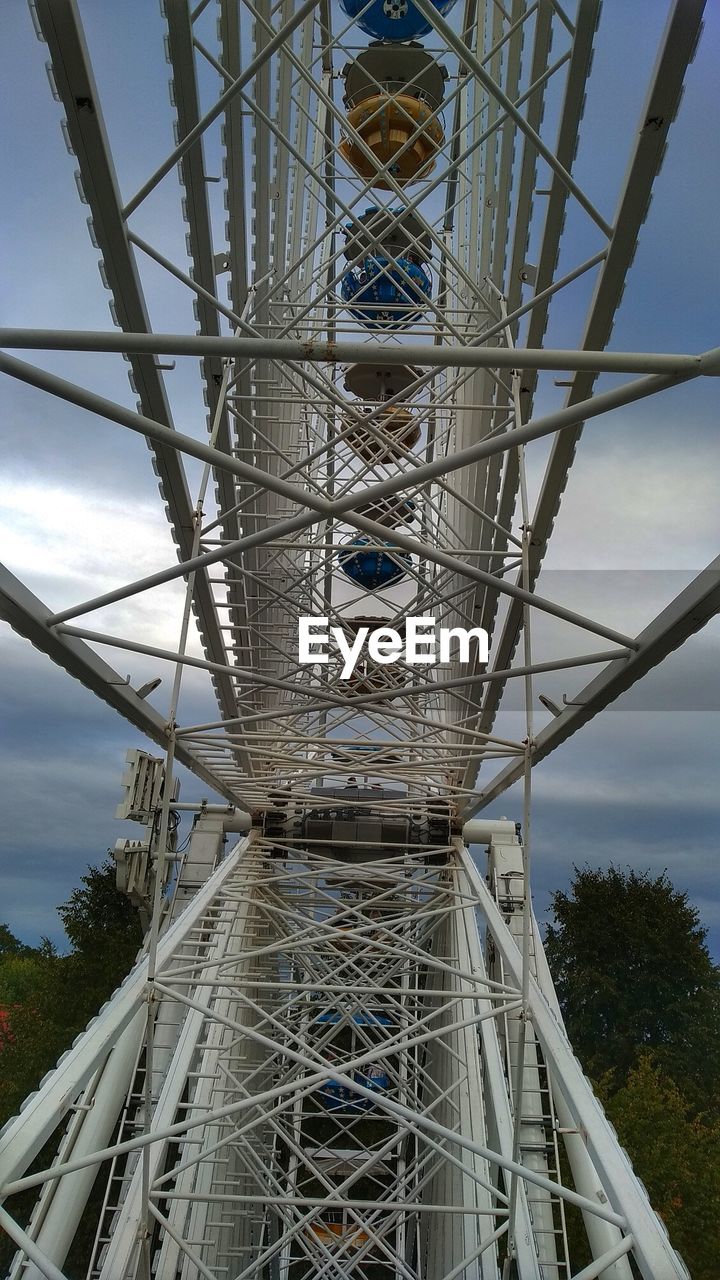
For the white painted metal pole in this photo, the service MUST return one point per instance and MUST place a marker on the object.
(68, 1196)
(654, 1254)
(348, 353)
(217, 109)
(495, 1085)
(24, 1135)
(603, 1237)
(19, 1237)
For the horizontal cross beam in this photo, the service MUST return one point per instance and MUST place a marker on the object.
(686, 614)
(423, 354)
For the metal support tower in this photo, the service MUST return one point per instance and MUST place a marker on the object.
(340, 1055)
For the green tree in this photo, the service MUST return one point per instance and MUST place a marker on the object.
(678, 1159)
(47, 999)
(105, 933)
(10, 945)
(97, 911)
(634, 977)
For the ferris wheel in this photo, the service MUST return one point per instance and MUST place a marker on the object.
(340, 1053)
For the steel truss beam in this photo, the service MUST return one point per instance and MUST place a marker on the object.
(688, 613)
(676, 52)
(185, 97)
(564, 418)
(23, 1137)
(300, 975)
(651, 1247)
(349, 353)
(28, 617)
(62, 29)
(394, 981)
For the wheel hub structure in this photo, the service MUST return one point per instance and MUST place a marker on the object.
(340, 1053)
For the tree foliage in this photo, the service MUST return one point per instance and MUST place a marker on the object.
(47, 998)
(634, 976)
(678, 1157)
(97, 916)
(641, 1000)
(636, 983)
(10, 945)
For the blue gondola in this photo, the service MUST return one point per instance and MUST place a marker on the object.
(386, 293)
(360, 1019)
(393, 19)
(372, 569)
(373, 1077)
(339, 1097)
(334, 1095)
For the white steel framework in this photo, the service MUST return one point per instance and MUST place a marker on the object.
(340, 1053)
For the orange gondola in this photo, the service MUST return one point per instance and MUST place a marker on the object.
(386, 125)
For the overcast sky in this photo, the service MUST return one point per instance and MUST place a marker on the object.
(79, 503)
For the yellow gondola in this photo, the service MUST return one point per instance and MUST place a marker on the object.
(385, 125)
(399, 424)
